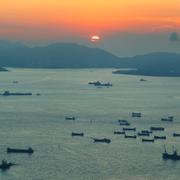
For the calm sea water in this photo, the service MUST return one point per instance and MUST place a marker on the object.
(38, 121)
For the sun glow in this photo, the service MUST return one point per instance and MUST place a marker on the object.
(95, 38)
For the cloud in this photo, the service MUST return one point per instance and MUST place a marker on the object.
(174, 37)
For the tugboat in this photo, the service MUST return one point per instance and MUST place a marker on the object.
(77, 134)
(104, 140)
(6, 165)
(173, 156)
(70, 118)
(13, 150)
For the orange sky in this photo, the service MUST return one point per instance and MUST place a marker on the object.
(46, 18)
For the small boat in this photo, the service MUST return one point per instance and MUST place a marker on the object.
(136, 114)
(124, 124)
(119, 132)
(169, 119)
(142, 79)
(146, 131)
(159, 137)
(7, 93)
(174, 156)
(6, 165)
(103, 140)
(130, 136)
(143, 134)
(129, 129)
(176, 134)
(13, 150)
(70, 118)
(77, 134)
(147, 140)
(157, 129)
(98, 83)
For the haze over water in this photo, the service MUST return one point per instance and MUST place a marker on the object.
(38, 121)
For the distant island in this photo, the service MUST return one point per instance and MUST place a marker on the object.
(70, 55)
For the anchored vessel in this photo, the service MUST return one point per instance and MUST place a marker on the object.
(70, 118)
(7, 93)
(103, 140)
(124, 124)
(77, 134)
(147, 140)
(159, 137)
(143, 134)
(129, 129)
(157, 129)
(6, 165)
(98, 83)
(136, 114)
(173, 156)
(130, 136)
(176, 134)
(13, 150)
(170, 119)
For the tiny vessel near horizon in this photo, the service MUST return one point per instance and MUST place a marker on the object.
(70, 118)
(168, 119)
(136, 114)
(146, 131)
(130, 136)
(147, 140)
(124, 124)
(159, 137)
(129, 129)
(103, 140)
(122, 121)
(77, 134)
(7, 93)
(143, 134)
(15, 150)
(157, 128)
(98, 83)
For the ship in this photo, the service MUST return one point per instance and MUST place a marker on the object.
(122, 121)
(124, 124)
(174, 156)
(147, 140)
(6, 165)
(103, 140)
(159, 137)
(169, 119)
(70, 118)
(146, 131)
(136, 114)
(129, 129)
(7, 93)
(176, 134)
(77, 134)
(98, 83)
(157, 129)
(14, 150)
(130, 136)
(143, 134)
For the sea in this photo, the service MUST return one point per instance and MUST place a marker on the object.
(39, 122)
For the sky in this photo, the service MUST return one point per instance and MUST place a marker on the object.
(125, 27)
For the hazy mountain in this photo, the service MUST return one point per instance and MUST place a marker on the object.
(67, 55)
(154, 64)
(59, 55)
